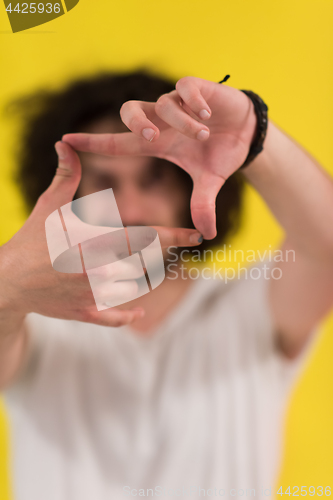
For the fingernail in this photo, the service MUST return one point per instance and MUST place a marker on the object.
(148, 133)
(194, 238)
(204, 114)
(61, 150)
(203, 135)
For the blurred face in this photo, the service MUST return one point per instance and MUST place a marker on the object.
(147, 190)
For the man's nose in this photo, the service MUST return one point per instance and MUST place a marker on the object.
(131, 205)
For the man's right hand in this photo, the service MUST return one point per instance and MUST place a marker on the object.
(28, 283)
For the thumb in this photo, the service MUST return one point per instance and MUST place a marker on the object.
(205, 190)
(66, 180)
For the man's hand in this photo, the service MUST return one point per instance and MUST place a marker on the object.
(28, 283)
(202, 126)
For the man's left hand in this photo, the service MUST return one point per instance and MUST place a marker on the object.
(204, 127)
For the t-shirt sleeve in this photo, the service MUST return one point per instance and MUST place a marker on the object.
(47, 341)
(250, 297)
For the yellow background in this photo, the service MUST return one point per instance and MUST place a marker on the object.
(280, 49)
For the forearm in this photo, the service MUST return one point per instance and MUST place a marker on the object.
(12, 343)
(298, 192)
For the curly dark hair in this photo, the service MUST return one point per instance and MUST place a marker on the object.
(47, 115)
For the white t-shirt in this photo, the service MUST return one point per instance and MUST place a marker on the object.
(194, 410)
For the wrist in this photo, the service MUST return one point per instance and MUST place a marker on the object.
(264, 168)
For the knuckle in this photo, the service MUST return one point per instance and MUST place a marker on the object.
(190, 93)
(134, 122)
(188, 128)
(126, 106)
(183, 82)
(162, 102)
(64, 172)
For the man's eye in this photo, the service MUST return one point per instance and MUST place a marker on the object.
(154, 178)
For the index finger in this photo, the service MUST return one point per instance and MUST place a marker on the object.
(122, 144)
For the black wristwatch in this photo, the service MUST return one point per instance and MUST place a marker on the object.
(260, 109)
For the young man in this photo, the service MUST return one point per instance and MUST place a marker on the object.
(189, 399)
